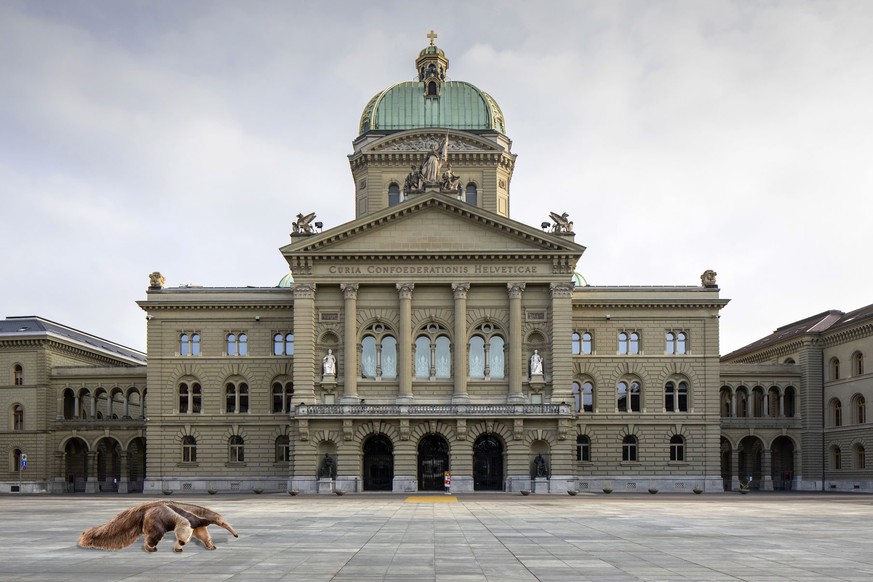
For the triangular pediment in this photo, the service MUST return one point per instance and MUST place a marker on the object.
(433, 224)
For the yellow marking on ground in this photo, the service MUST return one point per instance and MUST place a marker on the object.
(432, 499)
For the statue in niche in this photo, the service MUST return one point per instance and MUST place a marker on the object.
(536, 364)
(328, 364)
(540, 466)
(328, 467)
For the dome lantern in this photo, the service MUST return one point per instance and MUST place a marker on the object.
(432, 65)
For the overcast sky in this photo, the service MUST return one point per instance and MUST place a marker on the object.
(184, 137)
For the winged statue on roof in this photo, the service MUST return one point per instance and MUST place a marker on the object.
(303, 224)
(562, 222)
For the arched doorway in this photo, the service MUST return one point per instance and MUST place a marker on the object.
(726, 469)
(108, 464)
(136, 464)
(378, 464)
(487, 464)
(782, 462)
(750, 459)
(433, 462)
(76, 465)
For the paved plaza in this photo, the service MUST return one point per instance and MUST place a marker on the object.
(496, 537)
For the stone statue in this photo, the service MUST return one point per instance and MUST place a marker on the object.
(413, 180)
(328, 364)
(450, 181)
(327, 467)
(156, 281)
(562, 223)
(540, 466)
(707, 279)
(536, 364)
(431, 169)
(303, 225)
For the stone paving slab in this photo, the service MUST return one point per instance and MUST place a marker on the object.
(490, 537)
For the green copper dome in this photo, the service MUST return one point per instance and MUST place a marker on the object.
(459, 106)
(579, 280)
(286, 281)
(432, 101)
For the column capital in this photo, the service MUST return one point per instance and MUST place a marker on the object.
(404, 290)
(350, 290)
(561, 290)
(515, 289)
(304, 290)
(460, 290)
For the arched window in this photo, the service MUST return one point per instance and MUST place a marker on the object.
(836, 459)
(788, 404)
(676, 397)
(629, 448)
(236, 397)
(676, 342)
(237, 345)
(629, 396)
(726, 399)
(393, 194)
(576, 343)
(283, 449)
(189, 449)
(858, 364)
(433, 352)
(189, 344)
(16, 460)
(859, 404)
(282, 394)
(628, 343)
(583, 448)
(742, 398)
(236, 449)
(758, 402)
(17, 417)
(471, 195)
(190, 398)
(860, 457)
(486, 357)
(19, 375)
(583, 396)
(835, 369)
(587, 343)
(283, 344)
(379, 352)
(677, 448)
(836, 412)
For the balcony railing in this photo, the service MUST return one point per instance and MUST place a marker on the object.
(431, 410)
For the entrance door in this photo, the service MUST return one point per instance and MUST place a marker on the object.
(487, 464)
(378, 464)
(433, 462)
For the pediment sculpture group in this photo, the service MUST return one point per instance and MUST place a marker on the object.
(435, 171)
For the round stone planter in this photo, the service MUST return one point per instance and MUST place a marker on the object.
(525, 491)
(607, 490)
(572, 492)
(293, 492)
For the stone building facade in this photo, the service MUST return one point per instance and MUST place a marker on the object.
(431, 333)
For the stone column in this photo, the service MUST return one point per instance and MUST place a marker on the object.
(562, 332)
(350, 342)
(782, 403)
(91, 485)
(304, 347)
(733, 395)
(460, 356)
(514, 359)
(125, 472)
(735, 469)
(404, 347)
(766, 470)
